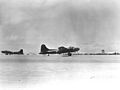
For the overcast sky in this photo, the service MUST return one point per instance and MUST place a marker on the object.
(91, 25)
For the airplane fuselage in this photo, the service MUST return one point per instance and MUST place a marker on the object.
(11, 53)
(60, 50)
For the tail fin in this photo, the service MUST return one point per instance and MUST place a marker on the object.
(21, 51)
(44, 48)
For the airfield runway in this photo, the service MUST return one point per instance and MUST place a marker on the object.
(30, 69)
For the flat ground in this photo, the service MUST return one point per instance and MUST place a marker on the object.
(23, 70)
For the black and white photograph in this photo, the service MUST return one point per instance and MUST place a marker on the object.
(59, 44)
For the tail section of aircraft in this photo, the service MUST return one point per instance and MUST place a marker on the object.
(21, 51)
(44, 48)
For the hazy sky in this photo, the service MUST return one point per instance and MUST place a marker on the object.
(91, 25)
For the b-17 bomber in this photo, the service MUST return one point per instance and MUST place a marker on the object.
(6, 52)
(60, 50)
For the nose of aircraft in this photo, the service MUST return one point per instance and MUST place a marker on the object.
(77, 49)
